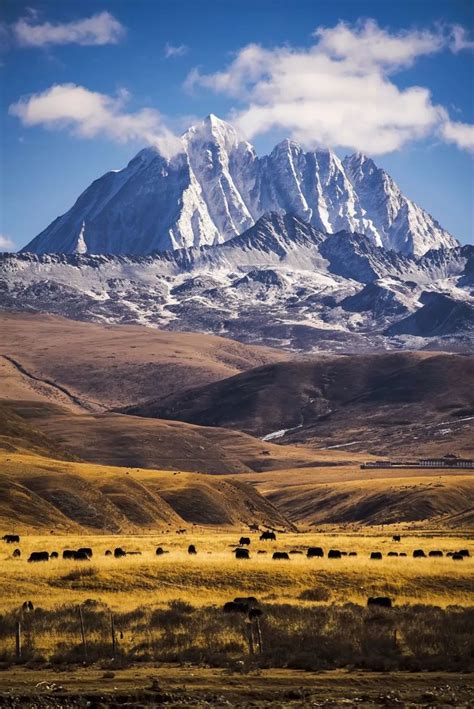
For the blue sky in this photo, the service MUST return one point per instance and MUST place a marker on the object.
(185, 59)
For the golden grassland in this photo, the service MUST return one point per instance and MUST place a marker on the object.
(214, 576)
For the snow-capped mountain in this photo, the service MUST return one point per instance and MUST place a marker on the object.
(217, 187)
(282, 282)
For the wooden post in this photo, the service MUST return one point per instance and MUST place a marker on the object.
(112, 628)
(18, 640)
(259, 634)
(83, 634)
(249, 633)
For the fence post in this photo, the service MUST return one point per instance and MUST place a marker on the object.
(249, 633)
(83, 634)
(259, 634)
(18, 640)
(112, 628)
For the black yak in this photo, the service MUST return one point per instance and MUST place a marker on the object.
(38, 556)
(381, 601)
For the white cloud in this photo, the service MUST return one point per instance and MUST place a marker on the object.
(369, 45)
(337, 93)
(99, 29)
(6, 244)
(462, 134)
(89, 113)
(172, 51)
(459, 39)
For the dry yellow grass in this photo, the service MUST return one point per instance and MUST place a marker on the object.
(214, 576)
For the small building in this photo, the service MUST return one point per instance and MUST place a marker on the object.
(447, 461)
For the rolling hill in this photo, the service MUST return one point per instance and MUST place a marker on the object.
(348, 495)
(42, 493)
(121, 440)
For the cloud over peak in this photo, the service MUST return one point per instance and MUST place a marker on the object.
(90, 113)
(339, 92)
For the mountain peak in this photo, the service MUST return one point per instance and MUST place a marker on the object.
(217, 187)
(212, 129)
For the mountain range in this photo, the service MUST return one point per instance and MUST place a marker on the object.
(216, 187)
(281, 283)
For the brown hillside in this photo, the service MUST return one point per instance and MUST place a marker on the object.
(394, 402)
(42, 493)
(95, 367)
(342, 495)
(18, 434)
(117, 439)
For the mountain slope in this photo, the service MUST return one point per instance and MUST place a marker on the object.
(385, 402)
(103, 366)
(216, 188)
(114, 439)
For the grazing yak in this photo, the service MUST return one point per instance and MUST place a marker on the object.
(242, 554)
(68, 554)
(402, 553)
(159, 551)
(192, 549)
(261, 551)
(244, 604)
(280, 555)
(86, 550)
(119, 552)
(377, 555)
(392, 553)
(381, 601)
(108, 553)
(16, 554)
(314, 551)
(419, 554)
(54, 555)
(396, 538)
(27, 606)
(352, 553)
(268, 537)
(38, 556)
(334, 554)
(81, 555)
(232, 607)
(295, 551)
(464, 552)
(457, 556)
(244, 541)
(435, 552)
(11, 538)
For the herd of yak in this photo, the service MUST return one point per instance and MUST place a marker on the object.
(240, 552)
(243, 605)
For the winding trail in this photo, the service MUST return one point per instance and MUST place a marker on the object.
(52, 390)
